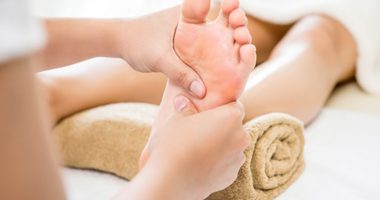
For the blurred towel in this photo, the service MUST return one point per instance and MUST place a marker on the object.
(111, 138)
(361, 18)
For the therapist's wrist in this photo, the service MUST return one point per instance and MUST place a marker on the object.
(116, 42)
(129, 36)
(160, 178)
(144, 41)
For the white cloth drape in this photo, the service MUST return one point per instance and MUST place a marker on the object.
(360, 17)
(20, 32)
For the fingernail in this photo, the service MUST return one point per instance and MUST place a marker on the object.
(180, 103)
(197, 88)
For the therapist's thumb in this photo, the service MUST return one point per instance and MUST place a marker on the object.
(184, 76)
(184, 106)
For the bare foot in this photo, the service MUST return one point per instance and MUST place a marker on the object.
(220, 51)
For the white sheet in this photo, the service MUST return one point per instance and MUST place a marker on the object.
(342, 155)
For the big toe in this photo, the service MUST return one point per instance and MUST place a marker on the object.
(195, 11)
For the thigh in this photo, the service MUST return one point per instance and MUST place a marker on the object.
(328, 39)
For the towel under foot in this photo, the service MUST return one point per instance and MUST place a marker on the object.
(111, 138)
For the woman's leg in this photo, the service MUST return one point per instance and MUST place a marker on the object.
(97, 82)
(302, 70)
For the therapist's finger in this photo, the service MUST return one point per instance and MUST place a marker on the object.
(232, 112)
(183, 75)
(184, 106)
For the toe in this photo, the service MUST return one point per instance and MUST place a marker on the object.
(248, 55)
(228, 6)
(242, 35)
(195, 11)
(238, 18)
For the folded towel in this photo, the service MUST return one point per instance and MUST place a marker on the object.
(111, 138)
(361, 18)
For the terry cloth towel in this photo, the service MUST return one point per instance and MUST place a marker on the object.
(111, 138)
(361, 18)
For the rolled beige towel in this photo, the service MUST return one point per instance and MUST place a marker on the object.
(111, 138)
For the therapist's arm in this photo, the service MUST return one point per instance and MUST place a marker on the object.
(146, 43)
(74, 40)
(28, 164)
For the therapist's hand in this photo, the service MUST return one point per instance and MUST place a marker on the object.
(203, 152)
(146, 43)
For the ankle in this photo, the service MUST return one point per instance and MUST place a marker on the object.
(49, 87)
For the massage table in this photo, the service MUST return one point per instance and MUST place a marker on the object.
(342, 144)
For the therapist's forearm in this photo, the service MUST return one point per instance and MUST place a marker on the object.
(74, 40)
(142, 42)
(28, 169)
(159, 179)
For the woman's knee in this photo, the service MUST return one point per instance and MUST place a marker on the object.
(319, 33)
(324, 38)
